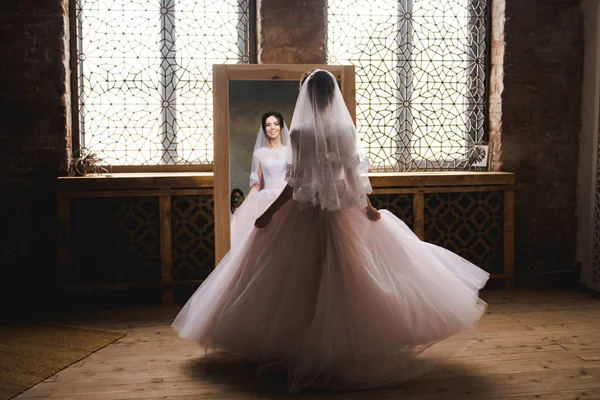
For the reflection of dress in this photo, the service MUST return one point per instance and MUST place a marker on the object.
(271, 176)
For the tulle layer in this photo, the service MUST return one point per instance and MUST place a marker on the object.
(242, 221)
(335, 299)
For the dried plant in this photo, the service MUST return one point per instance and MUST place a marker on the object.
(477, 155)
(86, 162)
(476, 151)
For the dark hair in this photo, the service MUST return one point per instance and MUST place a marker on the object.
(272, 114)
(305, 75)
(233, 192)
(321, 87)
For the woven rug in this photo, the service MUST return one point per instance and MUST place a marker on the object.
(31, 353)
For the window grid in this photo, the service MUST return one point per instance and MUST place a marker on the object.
(421, 78)
(144, 76)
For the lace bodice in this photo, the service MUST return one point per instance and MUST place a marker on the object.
(273, 164)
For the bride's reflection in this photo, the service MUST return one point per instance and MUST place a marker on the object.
(267, 178)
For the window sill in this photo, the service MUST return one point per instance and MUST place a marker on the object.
(382, 180)
(136, 182)
(204, 180)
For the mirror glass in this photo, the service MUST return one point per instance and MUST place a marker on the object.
(243, 93)
(248, 101)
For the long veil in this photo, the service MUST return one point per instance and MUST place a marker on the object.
(328, 168)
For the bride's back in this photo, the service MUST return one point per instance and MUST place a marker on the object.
(325, 161)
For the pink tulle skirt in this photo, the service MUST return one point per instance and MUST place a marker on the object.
(242, 220)
(335, 299)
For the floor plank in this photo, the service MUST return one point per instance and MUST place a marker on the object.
(530, 345)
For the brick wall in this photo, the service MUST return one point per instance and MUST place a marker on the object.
(540, 128)
(32, 144)
(496, 80)
(291, 32)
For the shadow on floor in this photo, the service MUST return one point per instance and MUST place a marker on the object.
(441, 382)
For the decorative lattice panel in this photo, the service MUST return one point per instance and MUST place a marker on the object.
(469, 224)
(421, 70)
(401, 205)
(192, 227)
(115, 240)
(145, 75)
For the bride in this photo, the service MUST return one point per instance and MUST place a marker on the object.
(336, 293)
(267, 178)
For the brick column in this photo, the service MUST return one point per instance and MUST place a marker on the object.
(541, 114)
(291, 32)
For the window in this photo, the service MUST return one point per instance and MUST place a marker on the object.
(144, 88)
(421, 71)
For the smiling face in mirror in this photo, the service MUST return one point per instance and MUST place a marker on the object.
(272, 126)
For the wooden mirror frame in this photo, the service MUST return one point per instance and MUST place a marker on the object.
(222, 74)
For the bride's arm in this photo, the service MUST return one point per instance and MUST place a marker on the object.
(283, 198)
(256, 187)
(372, 212)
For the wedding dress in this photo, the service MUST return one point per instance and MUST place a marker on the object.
(337, 300)
(270, 175)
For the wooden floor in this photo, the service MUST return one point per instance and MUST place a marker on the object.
(530, 345)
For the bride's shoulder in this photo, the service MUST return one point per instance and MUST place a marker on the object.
(260, 151)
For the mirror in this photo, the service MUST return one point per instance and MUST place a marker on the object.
(248, 101)
(242, 94)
